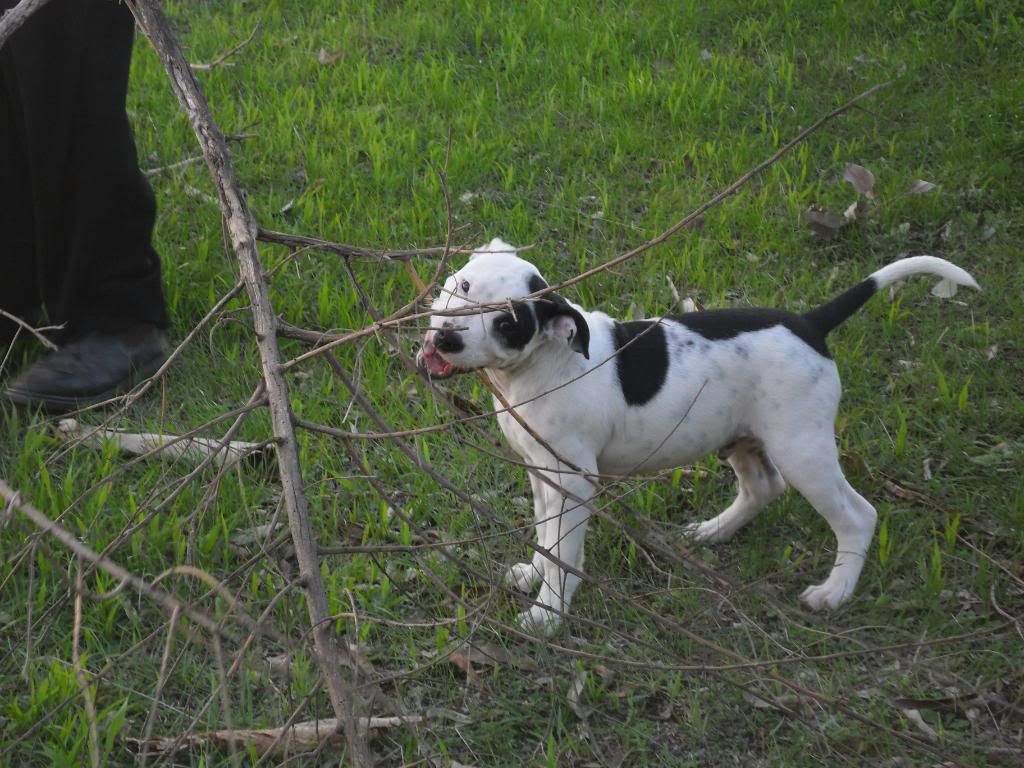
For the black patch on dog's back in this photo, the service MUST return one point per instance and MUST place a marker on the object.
(641, 359)
(536, 283)
(719, 324)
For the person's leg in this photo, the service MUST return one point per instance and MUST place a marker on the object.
(92, 210)
(19, 291)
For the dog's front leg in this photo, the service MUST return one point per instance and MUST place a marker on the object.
(525, 576)
(562, 529)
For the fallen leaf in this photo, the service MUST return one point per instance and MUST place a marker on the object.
(944, 289)
(850, 214)
(256, 535)
(920, 186)
(861, 179)
(579, 680)
(914, 716)
(326, 57)
(463, 662)
(823, 223)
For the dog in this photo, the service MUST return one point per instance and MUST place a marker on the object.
(602, 396)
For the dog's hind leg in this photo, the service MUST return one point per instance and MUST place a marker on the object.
(810, 463)
(759, 483)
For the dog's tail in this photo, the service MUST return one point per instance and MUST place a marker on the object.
(833, 313)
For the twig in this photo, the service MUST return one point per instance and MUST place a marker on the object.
(151, 172)
(341, 249)
(241, 229)
(17, 16)
(718, 198)
(83, 679)
(34, 331)
(161, 680)
(227, 54)
(69, 540)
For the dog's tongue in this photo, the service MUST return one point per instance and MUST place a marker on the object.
(435, 365)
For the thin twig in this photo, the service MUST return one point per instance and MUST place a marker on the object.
(227, 54)
(37, 332)
(82, 677)
(341, 249)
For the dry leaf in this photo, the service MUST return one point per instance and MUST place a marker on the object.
(256, 535)
(920, 186)
(823, 223)
(579, 681)
(861, 178)
(463, 662)
(850, 214)
(914, 716)
(326, 57)
(944, 289)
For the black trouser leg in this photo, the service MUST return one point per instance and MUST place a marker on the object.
(77, 180)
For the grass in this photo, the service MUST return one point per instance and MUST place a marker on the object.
(584, 128)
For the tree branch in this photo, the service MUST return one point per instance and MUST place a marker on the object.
(240, 228)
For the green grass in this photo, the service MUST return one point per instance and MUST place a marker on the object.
(584, 128)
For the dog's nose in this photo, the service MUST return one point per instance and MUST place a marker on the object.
(447, 340)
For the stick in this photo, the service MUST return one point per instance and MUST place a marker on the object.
(227, 54)
(34, 331)
(240, 227)
(17, 16)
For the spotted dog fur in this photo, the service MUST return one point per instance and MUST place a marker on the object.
(757, 385)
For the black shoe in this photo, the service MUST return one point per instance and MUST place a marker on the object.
(90, 370)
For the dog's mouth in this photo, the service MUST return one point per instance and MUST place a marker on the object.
(429, 360)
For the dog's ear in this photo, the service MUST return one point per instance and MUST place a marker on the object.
(558, 316)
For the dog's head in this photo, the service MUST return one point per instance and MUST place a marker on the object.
(505, 330)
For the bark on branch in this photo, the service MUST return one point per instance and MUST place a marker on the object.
(241, 228)
(17, 16)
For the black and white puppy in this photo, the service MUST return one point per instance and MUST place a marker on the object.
(610, 397)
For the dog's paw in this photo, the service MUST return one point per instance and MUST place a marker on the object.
(522, 576)
(827, 595)
(540, 620)
(708, 532)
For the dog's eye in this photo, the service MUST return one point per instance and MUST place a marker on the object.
(506, 324)
(465, 286)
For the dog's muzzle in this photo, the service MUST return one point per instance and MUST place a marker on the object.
(429, 359)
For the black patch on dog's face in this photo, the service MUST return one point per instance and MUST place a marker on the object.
(536, 283)
(641, 359)
(515, 330)
(718, 324)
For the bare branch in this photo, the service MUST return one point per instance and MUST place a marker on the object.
(17, 16)
(241, 228)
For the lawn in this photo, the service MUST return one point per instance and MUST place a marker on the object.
(582, 129)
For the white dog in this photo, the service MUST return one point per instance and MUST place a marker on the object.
(610, 397)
